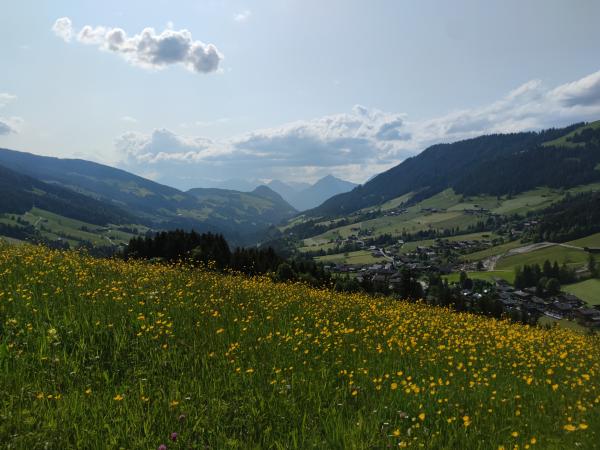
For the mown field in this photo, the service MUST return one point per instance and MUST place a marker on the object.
(113, 354)
(55, 227)
(357, 257)
(572, 257)
(491, 276)
(588, 290)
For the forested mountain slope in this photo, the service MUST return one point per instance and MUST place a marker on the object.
(496, 164)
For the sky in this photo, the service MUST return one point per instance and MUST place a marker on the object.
(192, 93)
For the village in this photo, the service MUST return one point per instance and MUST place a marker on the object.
(441, 258)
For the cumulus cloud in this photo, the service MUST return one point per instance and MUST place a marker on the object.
(164, 145)
(358, 143)
(6, 98)
(148, 49)
(10, 125)
(242, 16)
(530, 106)
(332, 144)
(583, 92)
(5, 128)
(63, 28)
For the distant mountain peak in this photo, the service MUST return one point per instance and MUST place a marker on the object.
(303, 196)
(265, 191)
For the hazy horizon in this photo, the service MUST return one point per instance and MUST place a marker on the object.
(196, 93)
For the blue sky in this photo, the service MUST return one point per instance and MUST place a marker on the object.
(286, 89)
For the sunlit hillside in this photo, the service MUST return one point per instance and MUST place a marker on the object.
(111, 354)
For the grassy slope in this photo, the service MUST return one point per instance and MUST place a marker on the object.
(507, 275)
(562, 141)
(415, 220)
(562, 323)
(357, 257)
(588, 241)
(11, 241)
(60, 225)
(588, 290)
(492, 251)
(572, 257)
(127, 353)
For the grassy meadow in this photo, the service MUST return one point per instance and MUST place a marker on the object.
(588, 290)
(572, 257)
(111, 354)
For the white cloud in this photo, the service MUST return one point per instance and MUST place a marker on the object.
(129, 119)
(583, 92)
(10, 125)
(5, 128)
(148, 49)
(63, 28)
(6, 98)
(242, 16)
(359, 143)
(530, 106)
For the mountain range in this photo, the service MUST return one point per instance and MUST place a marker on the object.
(303, 196)
(498, 164)
(101, 194)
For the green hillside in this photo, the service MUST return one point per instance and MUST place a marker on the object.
(566, 140)
(40, 225)
(449, 213)
(240, 216)
(503, 164)
(261, 205)
(570, 256)
(140, 355)
(588, 290)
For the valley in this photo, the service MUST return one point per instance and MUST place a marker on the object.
(453, 230)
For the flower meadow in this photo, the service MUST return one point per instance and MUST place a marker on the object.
(100, 353)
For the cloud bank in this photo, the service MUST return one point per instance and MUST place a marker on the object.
(8, 125)
(5, 128)
(148, 49)
(356, 144)
(5, 99)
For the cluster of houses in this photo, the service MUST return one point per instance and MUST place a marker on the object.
(422, 259)
(561, 306)
(386, 276)
(395, 212)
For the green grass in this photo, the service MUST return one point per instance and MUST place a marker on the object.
(492, 251)
(588, 290)
(562, 323)
(55, 227)
(588, 241)
(572, 257)
(508, 275)
(451, 214)
(10, 240)
(562, 141)
(112, 354)
(357, 257)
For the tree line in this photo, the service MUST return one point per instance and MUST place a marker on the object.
(213, 251)
(546, 279)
